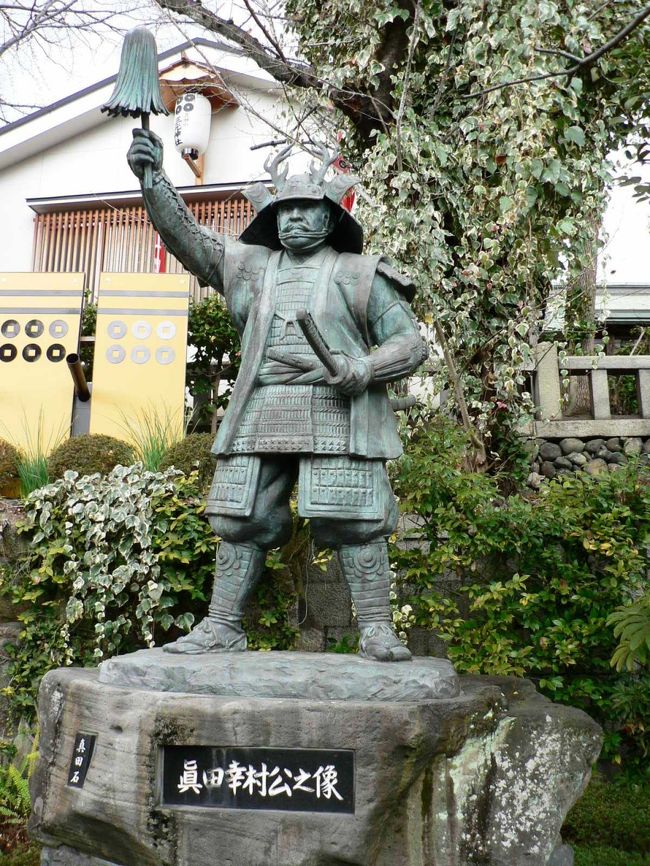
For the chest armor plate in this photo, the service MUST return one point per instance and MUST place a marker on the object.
(286, 417)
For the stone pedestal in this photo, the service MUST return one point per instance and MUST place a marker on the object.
(447, 771)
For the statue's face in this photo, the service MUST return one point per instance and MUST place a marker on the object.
(303, 224)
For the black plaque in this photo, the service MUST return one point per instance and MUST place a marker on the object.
(290, 780)
(84, 746)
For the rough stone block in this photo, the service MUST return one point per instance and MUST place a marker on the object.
(594, 445)
(562, 856)
(65, 856)
(548, 469)
(11, 544)
(484, 777)
(633, 445)
(550, 451)
(310, 640)
(596, 466)
(572, 445)
(424, 642)
(328, 604)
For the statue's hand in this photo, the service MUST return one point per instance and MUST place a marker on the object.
(146, 149)
(352, 377)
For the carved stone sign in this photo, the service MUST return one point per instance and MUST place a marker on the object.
(84, 746)
(293, 780)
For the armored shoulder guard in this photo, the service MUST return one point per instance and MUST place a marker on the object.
(403, 284)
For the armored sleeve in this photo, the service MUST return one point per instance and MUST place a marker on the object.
(394, 330)
(198, 249)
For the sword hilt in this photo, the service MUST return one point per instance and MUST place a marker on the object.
(315, 339)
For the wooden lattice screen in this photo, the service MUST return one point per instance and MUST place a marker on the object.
(121, 239)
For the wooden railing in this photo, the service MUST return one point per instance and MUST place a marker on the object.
(551, 421)
(121, 239)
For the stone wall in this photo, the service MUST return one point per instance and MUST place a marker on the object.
(556, 457)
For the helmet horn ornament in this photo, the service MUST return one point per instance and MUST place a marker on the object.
(327, 158)
(272, 164)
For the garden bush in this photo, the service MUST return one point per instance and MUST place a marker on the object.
(531, 578)
(114, 563)
(610, 824)
(192, 454)
(216, 355)
(9, 463)
(89, 454)
(117, 563)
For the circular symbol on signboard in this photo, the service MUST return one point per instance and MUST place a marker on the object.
(115, 354)
(116, 330)
(141, 330)
(140, 354)
(166, 330)
(55, 352)
(32, 352)
(8, 352)
(165, 355)
(34, 328)
(10, 328)
(58, 328)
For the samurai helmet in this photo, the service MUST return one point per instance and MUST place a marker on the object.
(347, 234)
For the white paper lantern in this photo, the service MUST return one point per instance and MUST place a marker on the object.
(192, 123)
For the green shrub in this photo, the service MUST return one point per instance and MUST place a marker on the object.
(614, 814)
(632, 628)
(533, 577)
(192, 454)
(28, 855)
(114, 564)
(117, 563)
(9, 463)
(89, 454)
(216, 358)
(17, 761)
(601, 855)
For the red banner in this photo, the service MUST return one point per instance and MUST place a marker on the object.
(159, 256)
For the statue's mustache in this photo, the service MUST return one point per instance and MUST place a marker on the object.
(303, 231)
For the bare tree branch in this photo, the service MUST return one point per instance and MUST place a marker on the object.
(368, 110)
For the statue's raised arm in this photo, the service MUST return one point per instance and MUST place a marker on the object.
(196, 247)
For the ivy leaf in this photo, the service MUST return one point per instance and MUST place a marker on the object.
(575, 134)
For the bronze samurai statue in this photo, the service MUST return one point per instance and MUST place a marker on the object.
(324, 328)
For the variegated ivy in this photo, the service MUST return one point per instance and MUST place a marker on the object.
(488, 197)
(105, 552)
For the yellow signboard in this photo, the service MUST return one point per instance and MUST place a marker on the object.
(40, 316)
(140, 353)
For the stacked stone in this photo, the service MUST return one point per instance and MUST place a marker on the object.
(595, 456)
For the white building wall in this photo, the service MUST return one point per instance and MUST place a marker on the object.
(93, 162)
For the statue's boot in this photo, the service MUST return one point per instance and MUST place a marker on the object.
(367, 572)
(239, 567)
